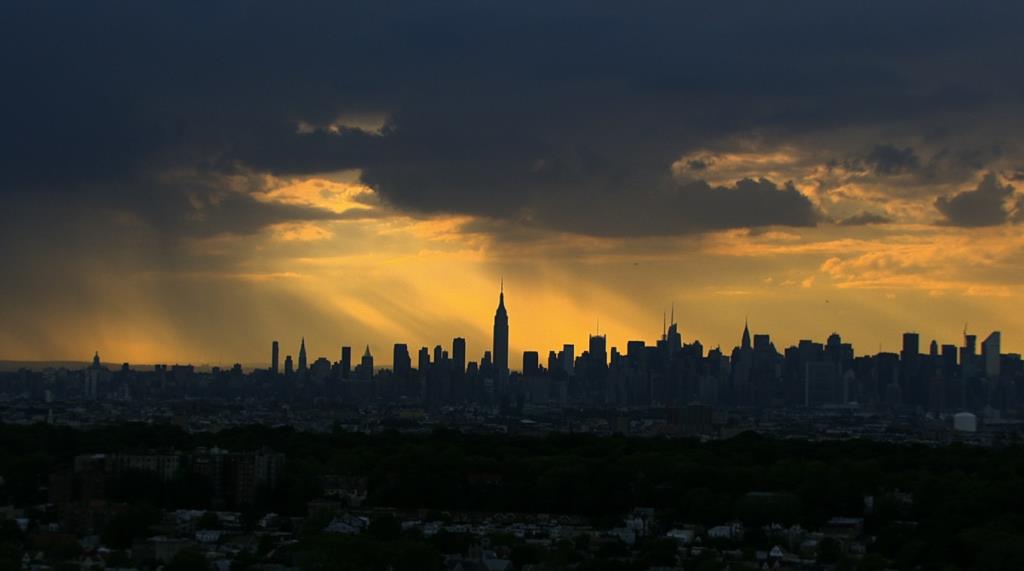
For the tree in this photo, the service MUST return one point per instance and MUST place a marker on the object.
(208, 520)
(829, 550)
(188, 560)
(384, 528)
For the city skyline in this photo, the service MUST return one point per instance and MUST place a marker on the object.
(756, 374)
(501, 338)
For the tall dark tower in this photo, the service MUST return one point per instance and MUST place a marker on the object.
(400, 360)
(501, 336)
(274, 353)
(346, 362)
(459, 356)
(745, 341)
(302, 356)
(366, 366)
(598, 350)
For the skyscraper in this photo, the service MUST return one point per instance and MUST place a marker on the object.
(569, 358)
(346, 362)
(968, 356)
(501, 337)
(423, 360)
(531, 363)
(911, 346)
(912, 380)
(459, 356)
(302, 356)
(274, 353)
(990, 353)
(400, 360)
(673, 340)
(598, 350)
(366, 365)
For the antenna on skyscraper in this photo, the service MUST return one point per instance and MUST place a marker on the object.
(673, 319)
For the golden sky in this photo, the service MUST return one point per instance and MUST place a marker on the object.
(180, 187)
(380, 276)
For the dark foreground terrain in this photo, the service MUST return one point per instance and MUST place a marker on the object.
(137, 496)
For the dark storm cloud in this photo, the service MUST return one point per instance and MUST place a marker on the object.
(887, 159)
(983, 206)
(863, 218)
(692, 207)
(562, 114)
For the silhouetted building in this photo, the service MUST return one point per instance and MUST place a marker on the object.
(673, 340)
(459, 356)
(912, 379)
(568, 358)
(531, 363)
(365, 371)
(346, 362)
(635, 352)
(500, 353)
(990, 355)
(969, 357)
(598, 350)
(274, 352)
(911, 346)
(288, 368)
(821, 384)
(320, 370)
(423, 360)
(401, 362)
(237, 478)
(302, 356)
(95, 375)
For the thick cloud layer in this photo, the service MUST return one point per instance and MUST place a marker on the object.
(985, 205)
(564, 115)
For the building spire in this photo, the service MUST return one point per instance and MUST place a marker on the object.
(500, 348)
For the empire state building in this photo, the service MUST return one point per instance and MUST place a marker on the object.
(501, 337)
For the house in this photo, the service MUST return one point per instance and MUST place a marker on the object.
(347, 525)
(683, 536)
(729, 531)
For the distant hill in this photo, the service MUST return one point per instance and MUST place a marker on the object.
(12, 365)
(37, 365)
